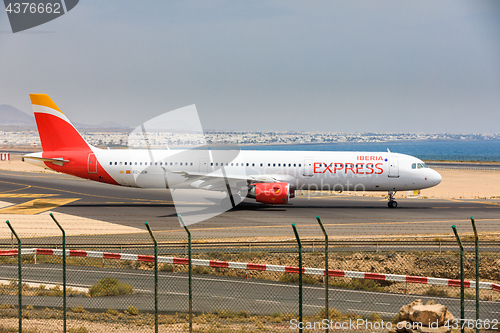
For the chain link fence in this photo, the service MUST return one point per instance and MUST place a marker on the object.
(237, 286)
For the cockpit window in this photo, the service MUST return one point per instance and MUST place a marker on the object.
(419, 166)
(414, 166)
(425, 165)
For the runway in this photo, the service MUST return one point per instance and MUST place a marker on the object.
(343, 216)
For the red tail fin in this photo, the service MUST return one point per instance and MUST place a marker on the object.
(55, 130)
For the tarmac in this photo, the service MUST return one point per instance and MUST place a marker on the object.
(115, 214)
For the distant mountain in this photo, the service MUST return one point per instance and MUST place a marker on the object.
(9, 115)
(110, 124)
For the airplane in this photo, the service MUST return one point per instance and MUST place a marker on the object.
(269, 177)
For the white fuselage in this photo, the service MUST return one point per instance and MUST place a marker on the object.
(303, 170)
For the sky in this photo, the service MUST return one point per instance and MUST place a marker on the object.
(336, 66)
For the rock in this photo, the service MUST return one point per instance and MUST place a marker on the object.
(427, 314)
(431, 302)
(401, 324)
(404, 312)
(392, 330)
(448, 317)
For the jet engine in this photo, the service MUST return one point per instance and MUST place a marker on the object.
(271, 193)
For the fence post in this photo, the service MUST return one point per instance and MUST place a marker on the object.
(20, 278)
(156, 274)
(462, 307)
(190, 274)
(326, 271)
(300, 276)
(64, 270)
(476, 238)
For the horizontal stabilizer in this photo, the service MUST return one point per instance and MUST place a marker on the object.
(57, 161)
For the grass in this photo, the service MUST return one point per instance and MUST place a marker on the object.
(294, 278)
(358, 284)
(110, 287)
(132, 310)
(223, 320)
(436, 291)
(41, 290)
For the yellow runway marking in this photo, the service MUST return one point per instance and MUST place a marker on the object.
(36, 206)
(25, 195)
(79, 193)
(479, 202)
(19, 189)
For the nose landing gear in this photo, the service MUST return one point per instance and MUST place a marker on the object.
(392, 203)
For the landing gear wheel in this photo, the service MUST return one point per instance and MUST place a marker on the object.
(392, 203)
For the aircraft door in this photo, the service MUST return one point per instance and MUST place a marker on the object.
(91, 163)
(393, 167)
(308, 168)
(203, 165)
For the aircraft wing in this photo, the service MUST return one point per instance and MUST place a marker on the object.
(218, 181)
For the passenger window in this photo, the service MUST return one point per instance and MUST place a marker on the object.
(110, 163)
(248, 164)
(274, 164)
(294, 165)
(300, 165)
(140, 163)
(261, 164)
(191, 163)
(253, 164)
(268, 164)
(161, 163)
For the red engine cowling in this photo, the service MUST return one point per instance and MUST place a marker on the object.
(271, 193)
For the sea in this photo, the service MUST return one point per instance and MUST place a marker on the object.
(429, 150)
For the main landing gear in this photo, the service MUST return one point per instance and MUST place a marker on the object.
(392, 203)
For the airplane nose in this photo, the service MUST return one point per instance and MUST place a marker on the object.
(436, 177)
